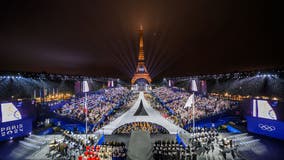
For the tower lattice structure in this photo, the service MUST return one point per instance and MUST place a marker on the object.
(141, 70)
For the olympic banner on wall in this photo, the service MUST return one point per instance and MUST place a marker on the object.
(14, 121)
(267, 127)
(15, 129)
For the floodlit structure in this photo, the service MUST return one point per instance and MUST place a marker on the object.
(141, 73)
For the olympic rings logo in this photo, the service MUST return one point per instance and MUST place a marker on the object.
(266, 127)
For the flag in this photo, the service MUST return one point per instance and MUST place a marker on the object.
(85, 87)
(193, 86)
(190, 101)
(108, 83)
(112, 84)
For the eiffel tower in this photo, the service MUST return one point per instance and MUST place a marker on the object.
(141, 70)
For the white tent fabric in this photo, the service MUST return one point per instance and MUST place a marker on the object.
(153, 116)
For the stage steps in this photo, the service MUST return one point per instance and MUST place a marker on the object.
(249, 142)
(237, 136)
(29, 145)
(243, 139)
(33, 142)
(28, 139)
(36, 137)
(20, 152)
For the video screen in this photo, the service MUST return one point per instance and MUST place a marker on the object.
(9, 112)
(262, 109)
(18, 110)
(266, 118)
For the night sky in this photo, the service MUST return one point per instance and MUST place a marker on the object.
(100, 38)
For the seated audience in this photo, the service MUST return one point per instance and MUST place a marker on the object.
(144, 126)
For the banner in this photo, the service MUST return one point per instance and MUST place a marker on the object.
(15, 129)
(271, 128)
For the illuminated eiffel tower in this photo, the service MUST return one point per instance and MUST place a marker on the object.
(141, 70)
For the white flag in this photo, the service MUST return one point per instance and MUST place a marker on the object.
(193, 86)
(190, 101)
(85, 86)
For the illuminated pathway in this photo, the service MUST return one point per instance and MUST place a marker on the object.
(128, 117)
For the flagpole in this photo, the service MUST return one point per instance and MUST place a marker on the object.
(86, 117)
(188, 114)
(193, 121)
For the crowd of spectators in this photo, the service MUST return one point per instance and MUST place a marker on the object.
(203, 138)
(144, 126)
(204, 105)
(228, 147)
(71, 146)
(129, 102)
(112, 151)
(202, 141)
(106, 151)
(74, 147)
(98, 105)
(168, 150)
(158, 106)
